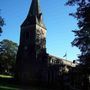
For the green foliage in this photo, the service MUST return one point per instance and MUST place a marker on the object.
(8, 51)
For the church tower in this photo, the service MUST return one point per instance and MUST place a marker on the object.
(31, 62)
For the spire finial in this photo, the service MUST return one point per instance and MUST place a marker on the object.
(35, 8)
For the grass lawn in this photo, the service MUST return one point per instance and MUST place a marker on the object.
(8, 88)
(6, 76)
(4, 85)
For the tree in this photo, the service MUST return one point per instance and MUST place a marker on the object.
(2, 23)
(82, 36)
(82, 40)
(8, 51)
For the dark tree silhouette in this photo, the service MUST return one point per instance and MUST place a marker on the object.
(82, 39)
(2, 23)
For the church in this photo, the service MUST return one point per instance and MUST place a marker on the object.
(33, 63)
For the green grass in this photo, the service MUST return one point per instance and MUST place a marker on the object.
(8, 88)
(6, 76)
(4, 84)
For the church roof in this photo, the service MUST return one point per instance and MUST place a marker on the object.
(35, 8)
(56, 60)
(34, 15)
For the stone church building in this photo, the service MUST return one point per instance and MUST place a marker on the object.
(33, 63)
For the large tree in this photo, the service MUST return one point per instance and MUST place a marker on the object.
(82, 39)
(8, 51)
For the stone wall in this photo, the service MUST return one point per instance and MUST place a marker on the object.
(58, 69)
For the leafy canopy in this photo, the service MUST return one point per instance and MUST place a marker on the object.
(8, 51)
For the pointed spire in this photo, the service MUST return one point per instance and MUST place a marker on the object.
(34, 16)
(35, 8)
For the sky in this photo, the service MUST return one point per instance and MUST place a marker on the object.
(57, 21)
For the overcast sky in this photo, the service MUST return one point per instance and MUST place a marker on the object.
(55, 15)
